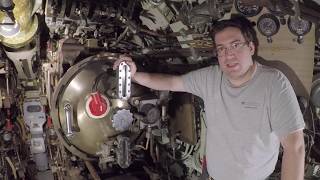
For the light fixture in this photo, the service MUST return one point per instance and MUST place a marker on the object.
(8, 28)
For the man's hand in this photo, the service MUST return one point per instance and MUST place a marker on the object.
(162, 82)
(128, 60)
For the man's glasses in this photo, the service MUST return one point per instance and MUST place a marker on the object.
(234, 47)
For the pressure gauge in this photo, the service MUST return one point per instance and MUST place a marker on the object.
(268, 25)
(247, 10)
(299, 27)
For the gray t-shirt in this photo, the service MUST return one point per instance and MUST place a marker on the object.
(245, 124)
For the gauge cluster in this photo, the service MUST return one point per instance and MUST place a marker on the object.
(280, 13)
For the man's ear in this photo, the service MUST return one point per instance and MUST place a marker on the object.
(252, 47)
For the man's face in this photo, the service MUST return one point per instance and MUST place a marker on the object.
(234, 53)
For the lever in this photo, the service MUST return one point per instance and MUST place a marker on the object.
(124, 81)
(69, 119)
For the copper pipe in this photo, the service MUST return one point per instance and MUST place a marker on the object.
(92, 171)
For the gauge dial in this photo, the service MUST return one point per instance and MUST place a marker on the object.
(247, 10)
(299, 26)
(268, 25)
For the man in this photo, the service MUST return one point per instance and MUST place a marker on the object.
(251, 109)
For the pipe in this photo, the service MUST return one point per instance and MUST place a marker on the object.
(14, 171)
(120, 37)
(92, 171)
(7, 77)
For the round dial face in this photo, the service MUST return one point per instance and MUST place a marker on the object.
(299, 27)
(247, 10)
(268, 25)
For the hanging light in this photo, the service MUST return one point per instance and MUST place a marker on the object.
(8, 28)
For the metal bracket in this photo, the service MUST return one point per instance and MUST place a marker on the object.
(124, 81)
(69, 119)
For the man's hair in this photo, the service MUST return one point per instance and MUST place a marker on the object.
(240, 22)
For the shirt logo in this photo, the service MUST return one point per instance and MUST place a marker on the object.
(252, 105)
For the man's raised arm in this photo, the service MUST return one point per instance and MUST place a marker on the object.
(152, 80)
